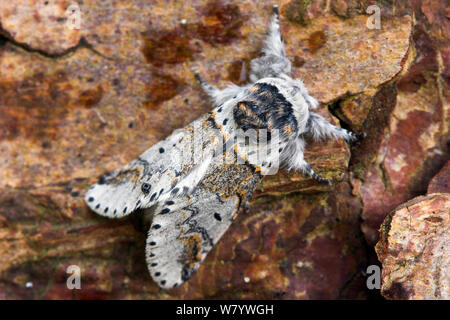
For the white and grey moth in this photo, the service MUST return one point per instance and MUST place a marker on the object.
(194, 199)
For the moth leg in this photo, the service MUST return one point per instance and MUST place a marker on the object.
(217, 95)
(246, 204)
(320, 129)
(307, 169)
(274, 62)
(246, 207)
(209, 89)
(302, 165)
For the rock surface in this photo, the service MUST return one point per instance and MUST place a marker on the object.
(407, 120)
(441, 182)
(414, 251)
(77, 103)
(48, 27)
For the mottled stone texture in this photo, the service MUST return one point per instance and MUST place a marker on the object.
(414, 251)
(77, 103)
(41, 25)
(441, 182)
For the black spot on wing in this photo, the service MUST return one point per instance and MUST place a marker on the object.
(165, 210)
(145, 188)
(212, 121)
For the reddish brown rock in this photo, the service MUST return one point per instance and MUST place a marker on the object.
(413, 249)
(50, 27)
(441, 182)
(129, 83)
(275, 251)
(333, 49)
(407, 127)
(437, 15)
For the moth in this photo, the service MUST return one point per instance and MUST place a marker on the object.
(194, 199)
